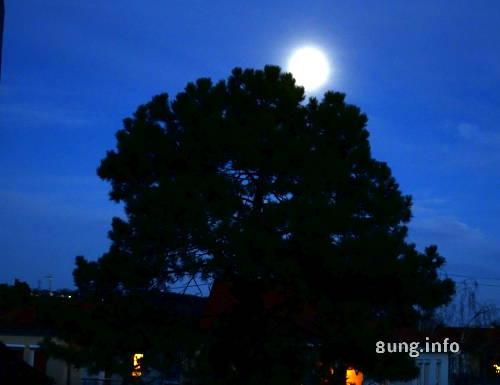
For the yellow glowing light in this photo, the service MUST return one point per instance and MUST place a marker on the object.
(137, 365)
(310, 68)
(497, 368)
(354, 377)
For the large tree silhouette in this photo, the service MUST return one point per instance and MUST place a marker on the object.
(246, 182)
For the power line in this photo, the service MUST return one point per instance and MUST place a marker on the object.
(481, 284)
(475, 279)
(209, 284)
(195, 285)
(471, 277)
(452, 275)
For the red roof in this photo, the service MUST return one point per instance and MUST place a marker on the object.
(222, 301)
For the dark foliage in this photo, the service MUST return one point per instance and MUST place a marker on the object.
(245, 182)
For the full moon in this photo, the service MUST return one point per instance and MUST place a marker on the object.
(310, 68)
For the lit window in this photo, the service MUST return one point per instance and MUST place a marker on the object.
(137, 365)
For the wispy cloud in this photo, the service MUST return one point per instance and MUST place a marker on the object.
(474, 134)
(468, 250)
(463, 243)
(434, 221)
(446, 228)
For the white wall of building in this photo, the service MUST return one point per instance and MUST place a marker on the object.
(56, 369)
(433, 370)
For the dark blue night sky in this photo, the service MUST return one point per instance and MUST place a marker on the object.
(426, 73)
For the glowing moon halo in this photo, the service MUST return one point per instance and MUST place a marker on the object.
(310, 68)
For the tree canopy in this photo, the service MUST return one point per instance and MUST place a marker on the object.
(245, 181)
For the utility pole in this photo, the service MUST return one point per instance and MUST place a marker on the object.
(49, 279)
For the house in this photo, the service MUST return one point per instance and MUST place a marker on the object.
(476, 362)
(433, 370)
(22, 333)
(479, 359)
(14, 370)
(471, 357)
